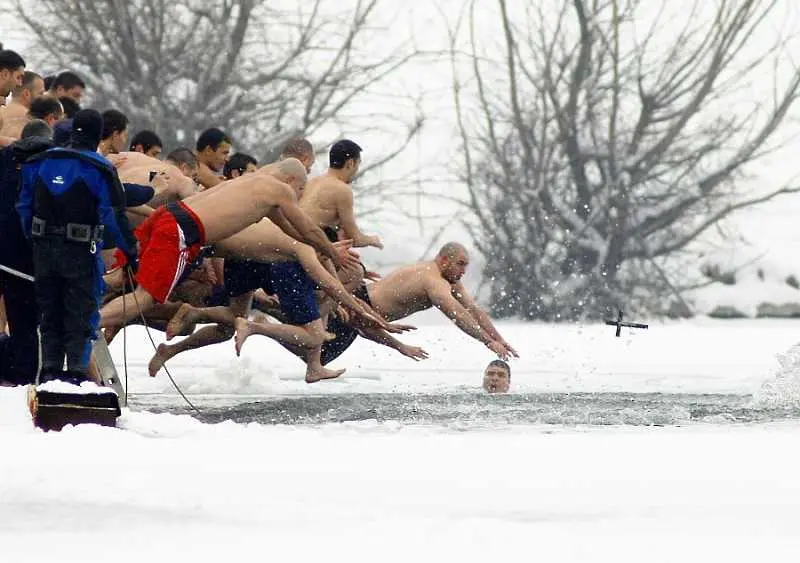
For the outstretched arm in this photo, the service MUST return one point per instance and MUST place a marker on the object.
(347, 222)
(380, 336)
(441, 296)
(332, 286)
(462, 296)
(297, 218)
(277, 217)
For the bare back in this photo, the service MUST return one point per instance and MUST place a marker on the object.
(320, 200)
(263, 241)
(234, 205)
(404, 291)
(135, 168)
(15, 116)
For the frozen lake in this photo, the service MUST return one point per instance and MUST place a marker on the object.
(672, 444)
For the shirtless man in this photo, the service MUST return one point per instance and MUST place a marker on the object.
(15, 114)
(292, 278)
(147, 142)
(238, 165)
(68, 85)
(12, 69)
(179, 172)
(213, 150)
(304, 327)
(328, 199)
(436, 283)
(174, 235)
(115, 132)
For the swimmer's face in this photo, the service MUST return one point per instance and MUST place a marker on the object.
(351, 167)
(189, 172)
(216, 158)
(119, 140)
(453, 268)
(36, 90)
(76, 93)
(496, 379)
(154, 151)
(10, 79)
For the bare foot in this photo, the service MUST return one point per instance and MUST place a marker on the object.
(243, 330)
(316, 374)
(163, 353)
(179, 320)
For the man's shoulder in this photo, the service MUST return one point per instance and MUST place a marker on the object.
(420, 273)
(330, 183)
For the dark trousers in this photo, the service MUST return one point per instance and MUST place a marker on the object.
(69, 286)
(20, 360)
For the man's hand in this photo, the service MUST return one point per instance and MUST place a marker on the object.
(500, 349)
(509, 348)
(375, 241)
(414, 352)
(343, 314)
(160, 182)
(348, 258)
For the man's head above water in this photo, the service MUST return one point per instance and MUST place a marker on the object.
(497, 377)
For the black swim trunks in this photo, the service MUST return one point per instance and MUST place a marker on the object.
(345, 334)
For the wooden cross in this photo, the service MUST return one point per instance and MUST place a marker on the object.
(619, 324)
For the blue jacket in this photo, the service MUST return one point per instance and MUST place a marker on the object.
(69, 176)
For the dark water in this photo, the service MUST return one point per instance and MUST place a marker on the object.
(479, 410)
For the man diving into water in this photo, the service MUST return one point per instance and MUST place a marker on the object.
(410, 289)
(227, 216)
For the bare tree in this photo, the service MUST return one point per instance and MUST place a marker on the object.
(261, 73)
(600, 148)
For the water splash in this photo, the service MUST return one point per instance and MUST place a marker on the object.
(783, 390)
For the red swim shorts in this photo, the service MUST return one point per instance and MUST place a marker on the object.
(163, 252)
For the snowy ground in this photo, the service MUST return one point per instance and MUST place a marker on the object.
(168, 487)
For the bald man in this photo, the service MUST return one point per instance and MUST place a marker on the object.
(410, 289)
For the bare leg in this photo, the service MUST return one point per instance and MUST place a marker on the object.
(189, 315)
(125, 308)
(309, 338)
(206, 336)
(285, 333)
(157, 318)
(314, 369)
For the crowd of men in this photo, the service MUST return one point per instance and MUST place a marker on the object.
(98, 231)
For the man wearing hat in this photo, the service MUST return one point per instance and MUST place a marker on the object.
(69, 198)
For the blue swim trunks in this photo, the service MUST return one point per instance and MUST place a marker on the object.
(288, 280)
